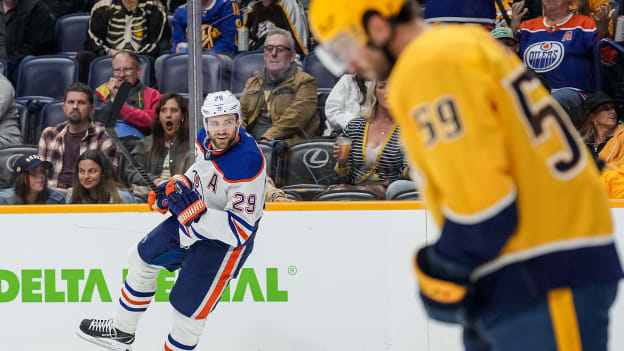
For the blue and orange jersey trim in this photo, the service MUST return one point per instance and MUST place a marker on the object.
(244, 162)
(580, 22)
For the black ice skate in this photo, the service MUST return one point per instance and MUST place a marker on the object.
(101, 332)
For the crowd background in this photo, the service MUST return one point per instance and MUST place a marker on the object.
(323, 137)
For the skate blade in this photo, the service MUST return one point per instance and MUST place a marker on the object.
(105, 343)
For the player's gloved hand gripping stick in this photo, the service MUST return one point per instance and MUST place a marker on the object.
(184, 201)
(156, 200)
(445, 288)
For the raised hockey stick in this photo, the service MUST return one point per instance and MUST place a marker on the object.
(109, 125)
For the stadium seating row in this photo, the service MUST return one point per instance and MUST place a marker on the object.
(304, 171)
(49, 75)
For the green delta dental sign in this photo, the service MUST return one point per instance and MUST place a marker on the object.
(43, 286)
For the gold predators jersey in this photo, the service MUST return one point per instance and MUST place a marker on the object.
(502, 170)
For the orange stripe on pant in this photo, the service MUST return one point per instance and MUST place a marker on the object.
(167, 347)
(223, 279)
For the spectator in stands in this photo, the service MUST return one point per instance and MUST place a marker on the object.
(26, 28)
(95, 182)
(601, 130)
(31, 184)
(345, 102)
(279, 102)
(529, 8)
(560, 46)
(220, 21)
(275, 194)
(60, 8)
(171, 5)
(63, 144)
(376, 158)
(167, 151)
(480, 12)
(614, 182)
(507, 37)
(139, 26)
(135, 119)
(10, 134)
(600, 11)
(265, 15)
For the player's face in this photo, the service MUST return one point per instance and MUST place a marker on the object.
(222, 130)
(89, 174)
(37, 179)
(125, 69)
(277, 54)
(605, 116)
(170, 117)
(77, 107)
(369, 62)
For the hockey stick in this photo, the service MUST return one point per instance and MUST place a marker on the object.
(501, 7)
(109, 125)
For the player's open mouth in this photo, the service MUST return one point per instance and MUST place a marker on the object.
(169, 126)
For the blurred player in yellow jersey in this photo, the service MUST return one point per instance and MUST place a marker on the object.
(526, 258)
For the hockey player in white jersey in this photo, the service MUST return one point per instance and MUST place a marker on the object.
(216, 206)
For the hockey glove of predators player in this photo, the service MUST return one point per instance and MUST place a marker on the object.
(183, 200)
(444, 286)
(158, 203)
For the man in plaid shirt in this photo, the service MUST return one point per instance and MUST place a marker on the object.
(63, 144)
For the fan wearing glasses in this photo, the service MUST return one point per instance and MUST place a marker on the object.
(135, 119)
(601, 130)
(279, 101)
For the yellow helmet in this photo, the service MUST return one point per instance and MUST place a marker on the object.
(329, 18)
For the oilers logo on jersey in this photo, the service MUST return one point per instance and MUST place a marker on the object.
(197, 184)
(544, 56)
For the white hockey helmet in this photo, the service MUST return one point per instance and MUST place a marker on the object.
(218, 104)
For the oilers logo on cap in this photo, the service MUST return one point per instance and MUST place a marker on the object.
(544, 56)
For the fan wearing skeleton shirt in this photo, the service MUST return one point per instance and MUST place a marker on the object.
(139, 26)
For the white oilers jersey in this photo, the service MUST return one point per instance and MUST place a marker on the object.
(233, 186)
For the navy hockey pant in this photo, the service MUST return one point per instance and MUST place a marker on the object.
(205, 268)
(566, 319)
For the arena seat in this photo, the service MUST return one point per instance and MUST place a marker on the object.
(101, 70)
(51, 115)
(347, 195)
(4, 67)
(34, 105)
(243, 67)
(406, 195)
(267, 151)
(7, 158)
(308, 167)
(22, 112)
(321, 98)
(158, 66)
(172, 73)
(71, 32)
(47, 75)
(314, 67)
(292, 195)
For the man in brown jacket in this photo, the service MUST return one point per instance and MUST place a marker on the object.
(279, 102)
